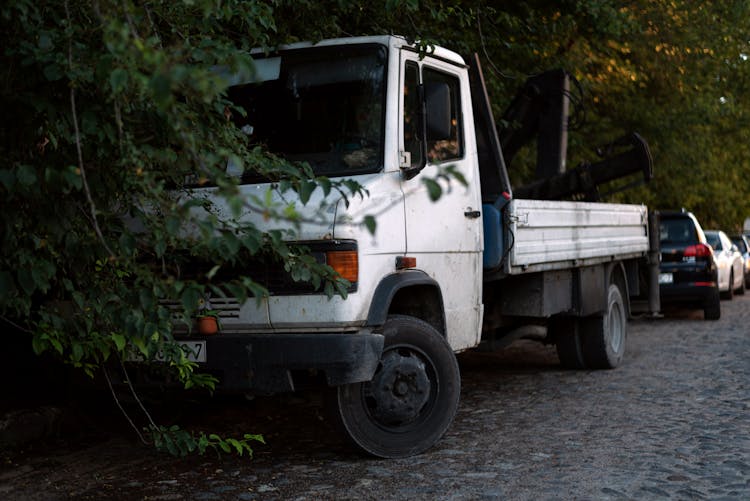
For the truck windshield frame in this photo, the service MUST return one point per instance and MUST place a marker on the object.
(320, 105)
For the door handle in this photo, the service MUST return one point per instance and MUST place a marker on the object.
(472, 214)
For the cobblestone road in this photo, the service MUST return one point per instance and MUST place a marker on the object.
(672, 423)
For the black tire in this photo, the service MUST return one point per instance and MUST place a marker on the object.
(729, 293)
(565, 332)
(412, 398)
(712, 309)
(603, 337)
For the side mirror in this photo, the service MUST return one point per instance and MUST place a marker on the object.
(437, 96)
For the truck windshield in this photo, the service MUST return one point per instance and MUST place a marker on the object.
(320, 105)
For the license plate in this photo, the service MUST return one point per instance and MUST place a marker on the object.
(195, 351)
(666, 278)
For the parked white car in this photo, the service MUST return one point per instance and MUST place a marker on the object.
(743, 245)
(729, 259)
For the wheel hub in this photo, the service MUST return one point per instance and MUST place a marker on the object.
(400, 388)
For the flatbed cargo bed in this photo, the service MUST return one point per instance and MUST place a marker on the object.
(551, 235)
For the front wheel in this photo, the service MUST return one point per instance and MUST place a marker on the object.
(412, 398)
(604, 336)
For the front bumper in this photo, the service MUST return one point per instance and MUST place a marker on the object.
(264, 363)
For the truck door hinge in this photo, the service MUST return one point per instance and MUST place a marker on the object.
(404, 159)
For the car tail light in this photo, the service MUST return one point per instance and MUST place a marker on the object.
(698, 250)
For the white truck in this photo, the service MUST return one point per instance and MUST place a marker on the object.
(436, 278)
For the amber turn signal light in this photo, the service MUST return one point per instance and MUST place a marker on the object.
(403, 262)
(345, 263)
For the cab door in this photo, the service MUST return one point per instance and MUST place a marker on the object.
(445, 235)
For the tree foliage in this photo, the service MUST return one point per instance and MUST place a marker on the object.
(109, 108)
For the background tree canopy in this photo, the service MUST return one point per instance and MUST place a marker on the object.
(108, 104)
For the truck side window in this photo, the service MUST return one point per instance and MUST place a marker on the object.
(452, 148)
(412, 113)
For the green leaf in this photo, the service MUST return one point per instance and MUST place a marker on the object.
(26, 175)
(370, 224)
(257, 438)
(433, 189)
(57, 345)
(52, 72)
(305, 190)
(118, 80)
(453, 171)
(8, 178)
(119, 341)
(77, 352)
(141, 345)
(45, 42)
(191, 297)
(6, 285)
(38, 345)
(79, 300)
(236, 444)
(127, 243)
(26, 280)
(160, 247)
(73, 177)
(171, 447)
(325, 185)
(251, 241)
(161, 86)
(173, 224)
(341, 288)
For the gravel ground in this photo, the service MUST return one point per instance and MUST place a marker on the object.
(673, 422)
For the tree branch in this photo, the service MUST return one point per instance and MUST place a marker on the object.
(79, 150)
(122, 409)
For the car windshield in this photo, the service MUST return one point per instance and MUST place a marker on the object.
(740, 243)
(713, 240)
(677, 231)
(320, 105)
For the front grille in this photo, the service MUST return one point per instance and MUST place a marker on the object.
(225, 307)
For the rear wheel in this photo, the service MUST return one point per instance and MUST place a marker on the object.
(412, 398)
(729, 293)
(566, 334)
(603, 337)
(712, 309)
(740, 291)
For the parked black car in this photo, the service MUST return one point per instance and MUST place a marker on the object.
(688, 273)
